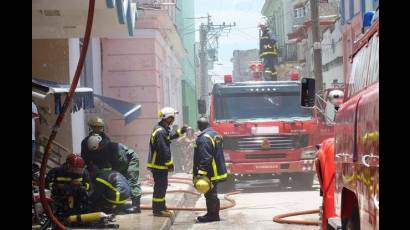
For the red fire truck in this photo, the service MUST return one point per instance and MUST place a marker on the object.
(267, 135)
(348, 164)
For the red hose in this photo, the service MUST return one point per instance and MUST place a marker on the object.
(183, 180)
(279, 218)
(67, 103)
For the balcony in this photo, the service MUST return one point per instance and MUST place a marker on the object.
(67, 19)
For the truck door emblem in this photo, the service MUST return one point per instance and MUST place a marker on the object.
(265, 144)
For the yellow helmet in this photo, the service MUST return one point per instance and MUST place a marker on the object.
(202, 184)
(96, 123)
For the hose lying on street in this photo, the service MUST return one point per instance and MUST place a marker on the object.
(182, 180)
(279, 218)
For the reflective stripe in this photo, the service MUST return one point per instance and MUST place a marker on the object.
(50, 186)
(106, 169)
(108, 184)
(153, 135)
(169, 163)
(154, 157)
(116, 202)
(264, 37)
(214, 167)
(219, 177)
(158, 199)
(202, 172)
(268, 52)
(156, 166)
(179, 132)
(210, 138)
(63, 179)
(78, 180)
(87, 186)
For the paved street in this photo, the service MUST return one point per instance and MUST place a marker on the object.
(255, 208)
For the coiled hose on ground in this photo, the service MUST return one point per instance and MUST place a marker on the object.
(183, 180)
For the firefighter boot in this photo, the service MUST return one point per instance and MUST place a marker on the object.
(164, 213)
(213, 207)
(135, 207)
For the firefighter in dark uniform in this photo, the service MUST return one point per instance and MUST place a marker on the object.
(104, 155)
(110, 193)
(69, 185)
(209, 161)
(160, 160)
(268, 51)
(95, 125)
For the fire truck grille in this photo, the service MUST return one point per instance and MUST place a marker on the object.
(264, 156)
(260, 142)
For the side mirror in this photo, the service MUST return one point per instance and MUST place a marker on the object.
(201, 107)
(307, 94)
(336, 98)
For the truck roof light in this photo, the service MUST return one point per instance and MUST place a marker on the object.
(228, 78)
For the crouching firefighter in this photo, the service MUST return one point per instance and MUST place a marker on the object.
(110, 193)
(209, 168)
(159, 159)
(103, 154)
(69, 185)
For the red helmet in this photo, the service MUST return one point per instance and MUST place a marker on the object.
(75, 162)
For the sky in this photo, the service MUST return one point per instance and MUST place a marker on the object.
(245, 13)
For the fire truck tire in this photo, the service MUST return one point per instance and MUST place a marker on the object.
(227, 186)
(284, 181)
(353, 221)
(303, 181)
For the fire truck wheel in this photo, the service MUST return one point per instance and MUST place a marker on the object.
(227, 186)
(303, 181)
(284, 181)
(353, 222)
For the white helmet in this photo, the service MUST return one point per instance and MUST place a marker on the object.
(263, 22)
(166, 112)
(94, 141)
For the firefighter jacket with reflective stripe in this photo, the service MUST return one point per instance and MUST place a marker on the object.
(112, 186)
(209, 158)
(117, 157)
(267, 44)
(159, 157)
(60, 175)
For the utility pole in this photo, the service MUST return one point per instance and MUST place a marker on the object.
(317, 49)
(208, 40)
(203, 59)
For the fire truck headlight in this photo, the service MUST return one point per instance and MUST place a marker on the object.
(308, 154)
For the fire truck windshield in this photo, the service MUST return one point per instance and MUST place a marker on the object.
(260, 106)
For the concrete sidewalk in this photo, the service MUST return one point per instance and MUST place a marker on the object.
(146, 220)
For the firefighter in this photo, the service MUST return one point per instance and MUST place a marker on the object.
(159, 159)
(104, 155)
(268, 51)
(69, 185)
(95, 126)
(209, 162)
(110, 193)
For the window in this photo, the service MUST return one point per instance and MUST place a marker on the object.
(259, 106)
(374, 60)
(365, 67)
(299, 12)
